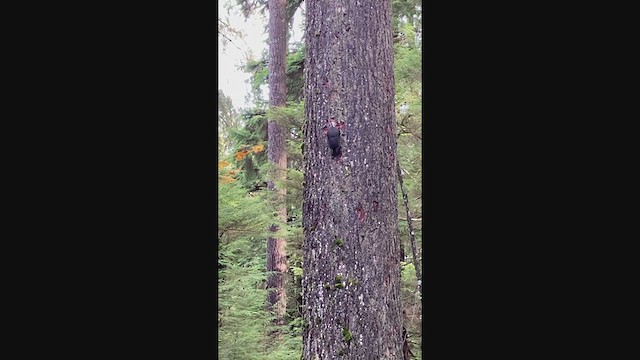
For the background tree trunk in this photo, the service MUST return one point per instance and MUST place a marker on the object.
(351, 287)
(277, 154)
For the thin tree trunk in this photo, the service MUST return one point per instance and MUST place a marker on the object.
(412, 233)
(351, 285)
(277, 154)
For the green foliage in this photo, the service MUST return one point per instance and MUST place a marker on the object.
(245, 213)
(242, 321)
(408, 71)
(406, 11)
(254, 129)
(287, 348)
(408, 67)
(250, 133)
(295, 72)
(346, 334)
(228, 119)
(289, 117)
(294, 75)
(297, 271)
(408, 85)
(411, 307)
(408, 272)
(260, 75)
(241, 216)
(295, 179)
(404, 8)
(408, 77)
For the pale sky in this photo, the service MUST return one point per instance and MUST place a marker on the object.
(231, 80)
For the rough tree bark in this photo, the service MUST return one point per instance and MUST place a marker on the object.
(277, 154)
(351, 250)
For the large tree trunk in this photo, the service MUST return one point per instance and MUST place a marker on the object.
(351, 250)
(277, 154)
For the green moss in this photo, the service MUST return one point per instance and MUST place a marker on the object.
(352, 281)
(346, 334)
(339, 286)
(327, 286)
(338, 279)
(339, 242)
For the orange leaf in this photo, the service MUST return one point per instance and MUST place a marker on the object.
(223, 164)
(241, 154)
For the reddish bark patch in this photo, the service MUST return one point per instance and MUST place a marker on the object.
(361, 214)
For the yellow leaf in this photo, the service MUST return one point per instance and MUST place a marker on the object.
(223, 164)
(227, 179)
(258, 148)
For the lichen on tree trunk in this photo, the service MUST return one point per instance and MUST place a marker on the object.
(351, 286)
